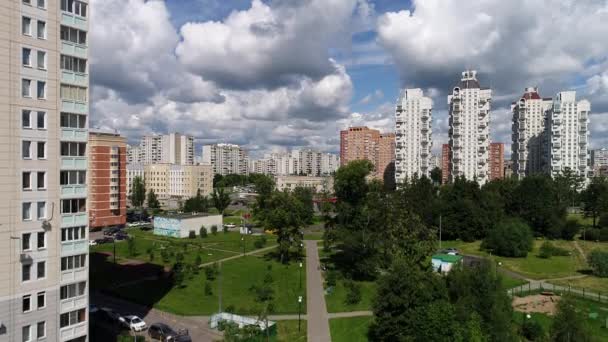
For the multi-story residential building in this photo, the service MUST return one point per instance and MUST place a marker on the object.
(599, 161)
(173, 148)
(133, 171)
(44, 82)
(469, 134)
(329, 163)
(497, 161)
(107, 180)
(445, 163)
(413, 135)
(567, 134)
(528, 126)
(318, 184)
(359, 143)
(297, 162)
(508, 168)
(226, 159)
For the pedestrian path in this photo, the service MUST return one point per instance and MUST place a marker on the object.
(318, 319)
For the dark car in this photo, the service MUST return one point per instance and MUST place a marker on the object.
(121, 236)
(104, 240)
(111, 231)
(163, 332)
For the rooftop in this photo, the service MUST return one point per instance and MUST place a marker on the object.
(447, 257)
(181, 216)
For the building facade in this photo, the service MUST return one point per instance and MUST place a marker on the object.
(226, 159)
(497, 161)
(107, 180)
(363, 143)
(445, 163)
(43, 218)
(297, 162)
(567, 135)
(318, 184)
(173, 148)
(469, 134)
(528, 127)
(413, 135)
(599, 161)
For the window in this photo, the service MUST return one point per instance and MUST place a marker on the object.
(71, 318)
(27, 211)
(26, 270)
(72, 177)
(25, 241)
(26, 87)
(41, 211)
(27, 2)
(41, 330)
(73, 149)
(41, 89)
(26, 303)
(42, 3)
(73, 234)
(41, 32)
(73, 206)
(73, 262)
(41, 180)
(26, 57)
(41, 240)
(73, 120)
(73, 93)
(26, 333)
(41, 269)
(41, 59)
(72, 290)
(74, 7)
(26, 121)
(73, 35)
(73, 64)
(26, 147)
(41, 149)
(41, 120)
(26, 26)
(26, 182)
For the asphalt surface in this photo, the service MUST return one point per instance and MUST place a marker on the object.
(318, 324)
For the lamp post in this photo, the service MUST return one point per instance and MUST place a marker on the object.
(299, 313)
(243, 243)
(300, 276)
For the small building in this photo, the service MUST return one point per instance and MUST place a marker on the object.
(180, 225)
(443, 263)
(318, 184)
(241, 322)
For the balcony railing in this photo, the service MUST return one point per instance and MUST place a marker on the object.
(74, 134)
(74, 21)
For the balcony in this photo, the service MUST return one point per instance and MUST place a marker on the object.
(73, 303)
(74, 21)
(556, 144)
(73, 331)
(456, 108)
(73, 163)
(74, 247)
(70, 106)
(74, 220)
(482, 138)
(74, 78)
(583, 116)
(69, 191)
(557, 122)
(73, 49)
(74, 134)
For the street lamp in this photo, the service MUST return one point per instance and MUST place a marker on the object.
(299, 313)
(243, 243)
(300, 276)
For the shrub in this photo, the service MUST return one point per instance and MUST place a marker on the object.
(208, 289)
(509, 238)
(198, 260)
(570, 229)
(164, 255)
(210, 273)
(603, 220)
(547, 250)
(131, 246)
(353, 292)
(191, 234)
(179, 257)
(532, 330)
(151, 256)
(225, 229)
(331, 277)
(598, 261)
(260, 242)
(214, 230)
(230, 309)
(203, 232)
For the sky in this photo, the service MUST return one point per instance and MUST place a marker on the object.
(273, 75)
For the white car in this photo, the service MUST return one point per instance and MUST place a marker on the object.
(133, 322)
(92, 243)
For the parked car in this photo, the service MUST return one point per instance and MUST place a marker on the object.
(163, 332)
(104, 240)
(451, 251)
(109, 315)
(121, 236)
(110, 231)
(92, 242)
(133, 322)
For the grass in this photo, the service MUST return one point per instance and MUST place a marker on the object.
(287, 331)
(510, 282)
(237, 277)
(313, 236)
(352, 329)
(335, 300)
(589, 283)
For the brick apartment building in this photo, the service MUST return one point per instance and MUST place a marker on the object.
(445, 163)
(497, 161)
(357, 143)
(107, 180)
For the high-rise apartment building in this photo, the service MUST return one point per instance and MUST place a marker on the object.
(497, 161)
(469, 134)
(599, 161)
(413, 135)
(445, 163)
(528, 126)
(359, 143)
(566, 135)
(297, 162)
(44, 81)
(226, 159)
(173, 148)
(107, 180)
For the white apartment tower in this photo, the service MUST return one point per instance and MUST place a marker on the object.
(528, 127)
(226, 159)
(44, 81)
(173, 148)
(469, 135)
(567, 135)
(412, 135)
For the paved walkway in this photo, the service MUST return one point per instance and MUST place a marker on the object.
(348, 314)
(318, 324)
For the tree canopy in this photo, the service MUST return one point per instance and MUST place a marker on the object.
(138, 192)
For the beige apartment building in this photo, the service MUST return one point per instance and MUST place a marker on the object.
(43, 163)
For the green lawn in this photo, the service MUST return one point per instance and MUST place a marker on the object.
(589, 283)
(510, 282)
(287, 331)
(335, 300)
(313, 236)
(237, 277)
(353, 329)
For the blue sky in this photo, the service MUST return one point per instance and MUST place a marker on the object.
(280, 74)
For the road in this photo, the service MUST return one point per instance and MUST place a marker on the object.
(198, 328)
(318, 324)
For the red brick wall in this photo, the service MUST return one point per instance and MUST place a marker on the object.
(100, 214)
(445, 163)
(497, 161)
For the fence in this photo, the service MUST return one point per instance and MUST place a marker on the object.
(535, 288)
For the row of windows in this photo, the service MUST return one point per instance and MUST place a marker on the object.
(73, 93)
(73, 178)
(73, 206)
(73, 234)
(73, 64)
(26, 271)
(29, 116)
(72, 290)
(26, 302)
(26, 88)
(27, 333)
(40, 3)
(26, 180)
(28, 146)
(69, 120)
(70, 318)
(26, 58)
(75, 7)
(27, 213)
(26, 27)
(26, 241)
(73, 262)
(73, 35)
(73, 149)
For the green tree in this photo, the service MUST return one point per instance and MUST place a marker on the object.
(138, 192)
(178, 274)
(281, 215)
(131, 247)
(153, 202)
(197, 203)
(218, 181)
(214, 230)
(304, 195)
(537, 202)
(568, 324)
(598, 261)
(510, 238)
(567, 185)
(221, 199)
(595, 198)
(436, 175)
